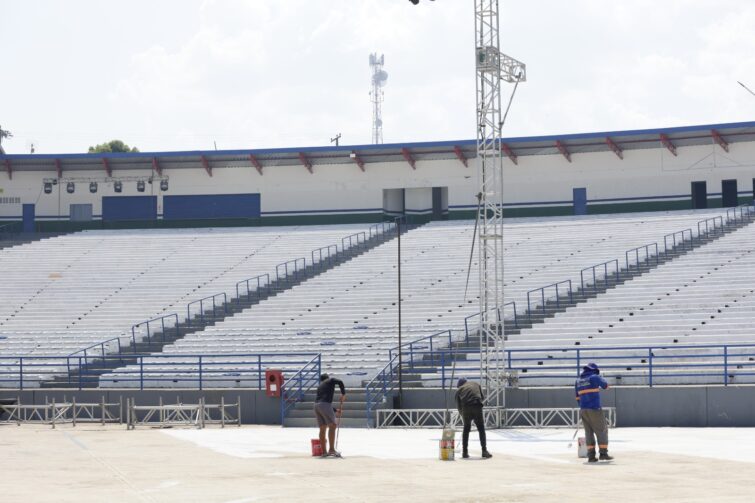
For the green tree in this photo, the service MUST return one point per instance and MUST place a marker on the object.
(114, 146)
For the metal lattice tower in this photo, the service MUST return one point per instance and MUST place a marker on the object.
(493, 68)
(379, 78)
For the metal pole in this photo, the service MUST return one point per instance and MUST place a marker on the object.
(400, 360)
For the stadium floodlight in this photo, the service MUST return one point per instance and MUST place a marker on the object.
(70, 187)
(118, 186)
(140, 186)
(163, 185)
(93, 187)
(48, 187)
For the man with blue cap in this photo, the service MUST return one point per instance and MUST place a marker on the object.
(587, 389)
(469, 399)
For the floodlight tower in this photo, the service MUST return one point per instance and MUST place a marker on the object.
(379, 78)
(493, 68)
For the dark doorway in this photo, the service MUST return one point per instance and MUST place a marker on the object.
(699, 195)
(729, 197)
(28, 217)
(579, 200)
(440, 203)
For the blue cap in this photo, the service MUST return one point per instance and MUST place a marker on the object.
(461, 382)
(592, 367)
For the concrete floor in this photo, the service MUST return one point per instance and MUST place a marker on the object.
(257, 463)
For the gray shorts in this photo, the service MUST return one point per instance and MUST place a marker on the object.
(324, 413)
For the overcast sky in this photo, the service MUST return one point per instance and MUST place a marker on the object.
(181, 74)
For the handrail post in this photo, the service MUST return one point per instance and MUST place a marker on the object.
(141, 373)
(726, 365)
(200, 372)
(650, 367)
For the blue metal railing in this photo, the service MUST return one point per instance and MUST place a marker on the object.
(710, 226)
(151, 370)
(205, 301)
(595, 278)
(355, 240)
(146, 324)
(290, 270)
(262, 287)
(421, 345)
(477, 315)
(647, 257)
(715, 363)
(325, 256)
(555, 286)
(380, 386)
(682, 240)
(295, 387)
(381, 228)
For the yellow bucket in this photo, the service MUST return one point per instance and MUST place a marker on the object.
(447, 445)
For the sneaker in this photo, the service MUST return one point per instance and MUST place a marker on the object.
(605, 457)
(334, 454)
(465, 455)
(486, 454)
(592, 459)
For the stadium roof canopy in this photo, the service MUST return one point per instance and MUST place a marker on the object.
(362, 155)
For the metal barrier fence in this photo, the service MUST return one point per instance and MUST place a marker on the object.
(64, 412)
(494, 418)
(180, 414)
(596, 278)
(149, 371)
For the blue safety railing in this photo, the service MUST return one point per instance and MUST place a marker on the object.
(381, 229)
(147, 326)
(355, 241)
(710, 226)
(640, 258)
(244, 288)
(206, 301)
(596, 278)
(378, 389)
(681, 238)
(420, 346)
(555, 286)
(100, 350)
(468, 323)
(290, 271)
(151, 370)
(294, 388)
(655, 365)
(325, 256)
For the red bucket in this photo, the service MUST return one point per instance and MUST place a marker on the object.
(316, 447)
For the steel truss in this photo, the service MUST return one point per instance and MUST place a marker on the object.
(64, 412)
(179, 414)
(493, 68)
(494, 417)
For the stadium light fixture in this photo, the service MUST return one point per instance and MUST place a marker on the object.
(93, 187)
(140, 186)
(70, 187)
(48, 187)
(163, 185)
(118, 186)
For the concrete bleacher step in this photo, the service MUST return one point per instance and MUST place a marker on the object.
(233, 306)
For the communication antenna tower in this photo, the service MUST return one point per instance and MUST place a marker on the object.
(379, 78)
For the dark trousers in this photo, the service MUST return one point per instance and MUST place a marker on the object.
(595, 425)
(471, 413)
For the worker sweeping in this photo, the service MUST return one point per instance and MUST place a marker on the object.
(587, 389)
(326, 418)
(469, 399)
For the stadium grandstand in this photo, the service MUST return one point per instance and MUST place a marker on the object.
(182, 290)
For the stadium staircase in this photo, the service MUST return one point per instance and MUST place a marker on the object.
(417, 368)
(209, 317)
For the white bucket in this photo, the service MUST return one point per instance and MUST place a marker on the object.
(581, 447)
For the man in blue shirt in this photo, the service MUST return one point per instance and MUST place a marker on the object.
(587, 389)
